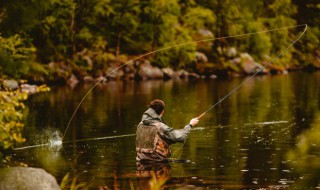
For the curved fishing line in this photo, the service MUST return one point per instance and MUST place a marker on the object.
(261, 69)
(100, 138)
(245, 81)
(162, 49)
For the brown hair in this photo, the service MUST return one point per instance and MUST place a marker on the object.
(157, 105)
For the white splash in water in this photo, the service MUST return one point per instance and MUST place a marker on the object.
(55, 140)
(49, 138)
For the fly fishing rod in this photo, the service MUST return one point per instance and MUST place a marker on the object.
(245, 81)
(248, 79)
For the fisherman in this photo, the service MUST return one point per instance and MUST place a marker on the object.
(154, 137)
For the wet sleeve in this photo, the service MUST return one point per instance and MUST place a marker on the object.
(175, 135)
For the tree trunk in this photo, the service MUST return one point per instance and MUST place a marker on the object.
(118, 44)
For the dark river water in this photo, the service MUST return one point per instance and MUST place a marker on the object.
(243, 143)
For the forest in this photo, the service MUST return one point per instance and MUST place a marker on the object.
(51, 41)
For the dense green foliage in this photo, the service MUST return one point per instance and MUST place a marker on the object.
(11, 118)
(88, 35)
(17, 59)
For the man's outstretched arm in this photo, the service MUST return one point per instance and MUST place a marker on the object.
(178, 135)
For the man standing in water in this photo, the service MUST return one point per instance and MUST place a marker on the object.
(154, 137)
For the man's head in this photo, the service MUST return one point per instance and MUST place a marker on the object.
(157, 105)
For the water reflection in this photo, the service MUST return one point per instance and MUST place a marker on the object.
(152, 175)
(241, 144)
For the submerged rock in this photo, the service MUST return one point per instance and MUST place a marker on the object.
(25, 178)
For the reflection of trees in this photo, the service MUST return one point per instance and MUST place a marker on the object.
(233, 147)
(305, 155)
(257, 149)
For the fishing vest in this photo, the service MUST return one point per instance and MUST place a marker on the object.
(148, 140)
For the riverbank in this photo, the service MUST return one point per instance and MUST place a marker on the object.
(243, 64)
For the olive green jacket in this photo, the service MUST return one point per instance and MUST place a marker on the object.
(169, 135)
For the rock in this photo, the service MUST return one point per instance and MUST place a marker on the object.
(205, 33)
(194, 75)
(11, 84)
(88, 60)
(72, 81)
(88, 79)
(25, 178)
(259, 67)
(114, 73)
(101, 79)
(201, 57)
(147, 71)
(247, 63)
(213, 76)
(236, 60)
(169, 73)
(129, 68)
(52, 65)
(182, 73)
(60, 72)
(231, 52)
(30, 89)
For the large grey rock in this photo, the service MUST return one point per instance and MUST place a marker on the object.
(11, 84)
(169, 73)
(25, 178)
(247, 63)
(147, 71)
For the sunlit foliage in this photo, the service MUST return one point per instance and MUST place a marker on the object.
(11, 117)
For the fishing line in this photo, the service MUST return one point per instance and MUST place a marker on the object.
(31, 146)
(163, 49)
(248, 79)
(259, 70)
(101, 138)
(80, 140)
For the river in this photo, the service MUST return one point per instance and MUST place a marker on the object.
(242, 143)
